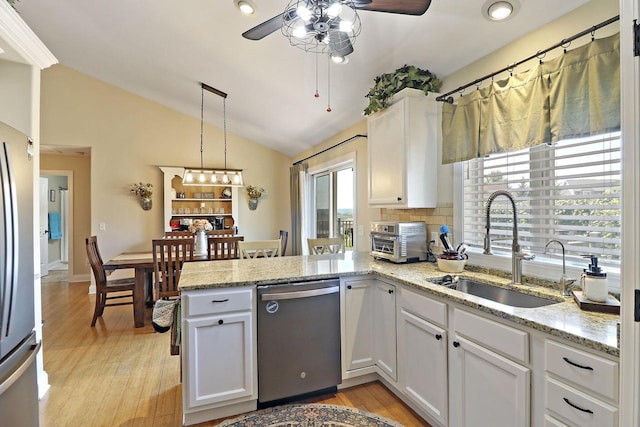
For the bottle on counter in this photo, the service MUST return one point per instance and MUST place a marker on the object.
(594, 281)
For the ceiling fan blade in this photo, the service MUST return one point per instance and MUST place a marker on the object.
(261, 31)
(403, 7)
(340, 44)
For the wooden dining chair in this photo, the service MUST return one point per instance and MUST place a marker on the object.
(168, 257)
(223, 247)
(284, 236)
(221, 232)
(259, 249)
(178, 235)
(326, 245)
(106, 290)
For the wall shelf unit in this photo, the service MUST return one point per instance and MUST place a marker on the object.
(198, 201)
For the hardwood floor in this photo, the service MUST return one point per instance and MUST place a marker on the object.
(118, 375)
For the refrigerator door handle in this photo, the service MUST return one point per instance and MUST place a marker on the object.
(27, 361)
(9, 250)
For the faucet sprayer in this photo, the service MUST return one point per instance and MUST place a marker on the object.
(516, 255)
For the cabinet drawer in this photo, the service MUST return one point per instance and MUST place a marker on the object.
(577, 408)
(587, 370)
(424, 307)
(549, 421)
(497, 336)
(219, 301)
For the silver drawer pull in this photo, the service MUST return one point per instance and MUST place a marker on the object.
(588, 368)
(215, 301)
(300, 294)
(588, 411)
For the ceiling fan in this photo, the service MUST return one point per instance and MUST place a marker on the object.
(322, 26)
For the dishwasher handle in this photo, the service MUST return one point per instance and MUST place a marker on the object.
(277, 296)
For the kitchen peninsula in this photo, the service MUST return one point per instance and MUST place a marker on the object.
(440, 325)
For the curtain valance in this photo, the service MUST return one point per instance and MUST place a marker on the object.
(575, 94)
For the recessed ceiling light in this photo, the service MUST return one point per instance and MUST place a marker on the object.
(245, 6)
(500, 10)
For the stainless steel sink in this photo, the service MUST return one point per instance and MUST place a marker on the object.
(497, 294)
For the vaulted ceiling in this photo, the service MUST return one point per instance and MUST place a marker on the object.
(162, 50)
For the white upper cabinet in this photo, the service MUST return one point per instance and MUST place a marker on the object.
(403, 152)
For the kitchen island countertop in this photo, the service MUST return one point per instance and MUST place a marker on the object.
(565, 320)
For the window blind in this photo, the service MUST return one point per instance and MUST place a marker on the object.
(568, 191)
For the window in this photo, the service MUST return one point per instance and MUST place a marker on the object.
(332, 203)
(568, 191)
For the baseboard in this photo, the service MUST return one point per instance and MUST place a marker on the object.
(54, 264)
(79, 278)
(197, 417)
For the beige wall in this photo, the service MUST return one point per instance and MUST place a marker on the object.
(81, 168)
(130, 137)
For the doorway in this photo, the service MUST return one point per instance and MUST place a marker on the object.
(56, 224)
(331, 202)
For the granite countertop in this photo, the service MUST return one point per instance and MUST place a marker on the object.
(565, 320)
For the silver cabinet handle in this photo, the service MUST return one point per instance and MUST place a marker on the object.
(300, 294)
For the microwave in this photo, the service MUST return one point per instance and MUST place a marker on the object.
(399, 241)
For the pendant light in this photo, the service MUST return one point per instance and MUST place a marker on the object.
(213, 177)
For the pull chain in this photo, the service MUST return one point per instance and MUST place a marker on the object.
(317, 95)
(328, 83)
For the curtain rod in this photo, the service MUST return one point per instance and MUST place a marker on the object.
(563, 43)
(331, 148)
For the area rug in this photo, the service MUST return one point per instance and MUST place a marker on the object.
(312, 415)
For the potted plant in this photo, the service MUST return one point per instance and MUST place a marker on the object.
(386, 85)
(143, 192)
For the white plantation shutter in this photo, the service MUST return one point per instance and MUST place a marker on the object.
(568, 191)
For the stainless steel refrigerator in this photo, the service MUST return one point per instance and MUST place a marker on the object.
(18, 347)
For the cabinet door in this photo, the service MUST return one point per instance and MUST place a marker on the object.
(486, 388)
(422, 364)
(219, 365)
(384, 321)
(358, 340)
(387, 166)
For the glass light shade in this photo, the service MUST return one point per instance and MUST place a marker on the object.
(299, 32)
(303, 12)
(334, 10)
(213, 177)
(345, 26)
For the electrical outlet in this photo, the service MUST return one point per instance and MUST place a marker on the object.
(434, 237)
(102, 226)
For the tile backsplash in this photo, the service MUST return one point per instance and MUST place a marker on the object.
(434, 217)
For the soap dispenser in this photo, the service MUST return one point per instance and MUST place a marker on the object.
(594, 281)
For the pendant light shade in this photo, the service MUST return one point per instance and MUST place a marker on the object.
(212, 177)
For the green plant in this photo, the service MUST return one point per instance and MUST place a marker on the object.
(386, 85)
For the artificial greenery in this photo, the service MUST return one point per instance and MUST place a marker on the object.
(409, 76)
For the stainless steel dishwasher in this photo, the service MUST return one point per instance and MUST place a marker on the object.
(298, 340)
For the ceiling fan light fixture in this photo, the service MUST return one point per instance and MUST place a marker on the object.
(345, 26)
(299, 32)
(245, 6)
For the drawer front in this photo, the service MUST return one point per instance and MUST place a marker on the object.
(597, 374)
(577, 408)
(549, 421)
(424, 307)
(219, 301)
(497, 336)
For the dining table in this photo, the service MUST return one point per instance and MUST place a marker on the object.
(142, 263)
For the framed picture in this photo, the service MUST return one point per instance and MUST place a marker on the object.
(52, 195)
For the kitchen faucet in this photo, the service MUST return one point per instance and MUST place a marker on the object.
(565, 283)
(516, 254)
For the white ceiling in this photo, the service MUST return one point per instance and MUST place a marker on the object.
(162, 50)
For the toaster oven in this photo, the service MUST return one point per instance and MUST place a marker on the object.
(399, 241)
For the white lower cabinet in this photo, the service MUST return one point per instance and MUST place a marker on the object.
(384, 327)
(486, 389)
(369, 327)
(422, 356)
(219, 353)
